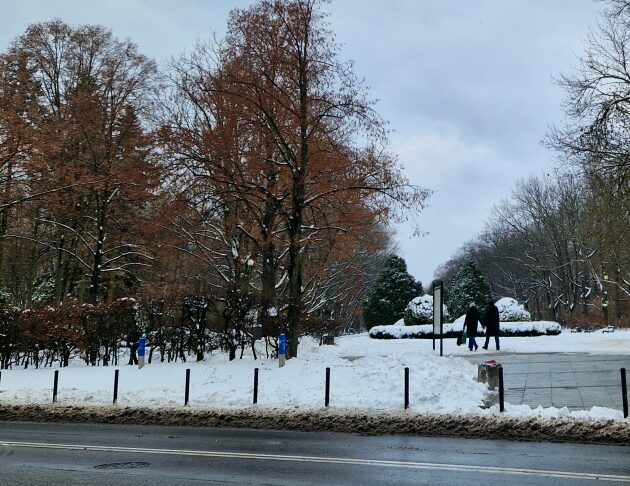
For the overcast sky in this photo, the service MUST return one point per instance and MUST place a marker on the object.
(467, 86)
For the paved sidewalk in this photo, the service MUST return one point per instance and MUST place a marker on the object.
(577, 381)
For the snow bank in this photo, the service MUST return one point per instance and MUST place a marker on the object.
(367, 380)
(568, 428)
(360, 379)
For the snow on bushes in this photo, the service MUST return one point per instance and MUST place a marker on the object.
(508, 329)
(511, 311)
(420, 311)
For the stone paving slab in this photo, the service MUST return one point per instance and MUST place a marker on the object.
(577, 381)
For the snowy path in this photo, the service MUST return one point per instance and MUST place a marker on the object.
(577, 381)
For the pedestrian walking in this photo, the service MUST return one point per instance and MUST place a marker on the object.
(491, 323)
(470, 324)
(132, 343)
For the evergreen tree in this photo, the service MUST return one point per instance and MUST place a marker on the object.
(466, 286)
(392, 291)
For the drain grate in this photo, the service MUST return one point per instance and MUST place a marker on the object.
(123, 465)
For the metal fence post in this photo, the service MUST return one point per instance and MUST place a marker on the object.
(115, 386)
(406, 388)
(55, 383)
(501, 394)
(187, 389)
(624, 392)
(255, 386)
(327, 398)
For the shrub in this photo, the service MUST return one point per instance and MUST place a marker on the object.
(511, 311)
(509, 329)
(420, 311)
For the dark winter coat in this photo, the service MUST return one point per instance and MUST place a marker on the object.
(491, 320)
(471, 321)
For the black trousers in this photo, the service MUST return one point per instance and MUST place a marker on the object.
(496, 341)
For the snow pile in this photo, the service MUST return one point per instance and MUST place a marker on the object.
(361, 378)
(598, 413)
(420, 311)
(565, 428)
(400, 331)
(511, 311)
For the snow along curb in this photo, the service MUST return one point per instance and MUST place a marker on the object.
(537, 429)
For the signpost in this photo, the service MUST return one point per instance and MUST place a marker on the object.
(282, 349)
(437, 313)
(141, 346)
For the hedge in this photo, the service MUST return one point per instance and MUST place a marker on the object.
(507, 329)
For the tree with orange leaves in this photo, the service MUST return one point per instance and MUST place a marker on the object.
(92, 166)
(315, 151)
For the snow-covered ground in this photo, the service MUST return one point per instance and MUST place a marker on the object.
(366, 374)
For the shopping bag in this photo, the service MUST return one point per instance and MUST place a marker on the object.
(459, 339)
(464, 336)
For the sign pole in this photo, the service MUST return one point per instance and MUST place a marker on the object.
(141, 346)
(438, 318)
(282, 349)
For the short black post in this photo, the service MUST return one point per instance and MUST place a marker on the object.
(56, 382)
(327, 398)
(501, 396)
(624, 392)
(255, 386)
(406, 388)
(187, 390)
(115, 386)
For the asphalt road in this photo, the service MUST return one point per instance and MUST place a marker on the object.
(59, 454)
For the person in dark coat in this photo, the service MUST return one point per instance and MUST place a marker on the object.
(132, 343)
(491, 323)
(470, 324)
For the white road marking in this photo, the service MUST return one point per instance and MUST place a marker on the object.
(328, 460)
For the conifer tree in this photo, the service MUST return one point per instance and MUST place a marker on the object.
(466, 286)
(392, 291)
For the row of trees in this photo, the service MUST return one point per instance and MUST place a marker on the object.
(560, 242)
(44, 336)
(251, 175)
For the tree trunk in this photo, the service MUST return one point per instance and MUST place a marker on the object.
(295, 272)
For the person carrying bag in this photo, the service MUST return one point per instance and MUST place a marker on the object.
(470, 326)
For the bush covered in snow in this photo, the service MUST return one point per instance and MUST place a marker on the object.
(508, 329)
(420, 311)
(511, 311)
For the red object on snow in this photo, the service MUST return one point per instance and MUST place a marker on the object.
(491, 362)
